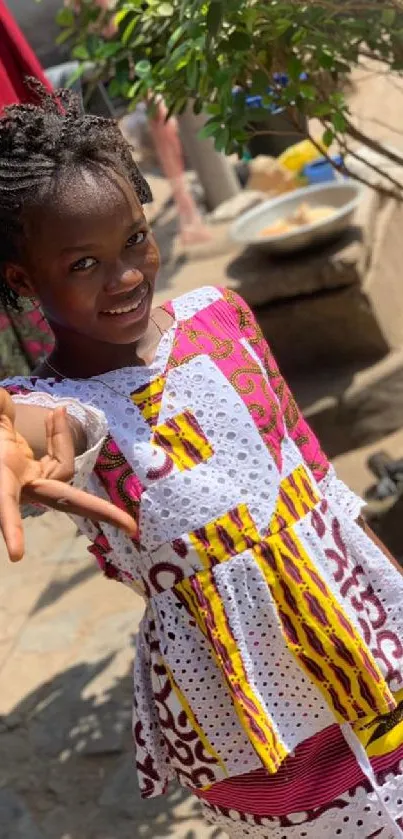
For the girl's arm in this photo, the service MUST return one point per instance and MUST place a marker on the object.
(374, 538)
(43, 476)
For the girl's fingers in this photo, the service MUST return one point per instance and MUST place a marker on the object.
(60, 446)
(7, 407)
(49, 423)
(7, 431)
(10, 488)
(54, 492)
(10, 517)
(62, 438)
(68, 499)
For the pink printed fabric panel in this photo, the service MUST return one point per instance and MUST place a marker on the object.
(211, 332)
(296, 425)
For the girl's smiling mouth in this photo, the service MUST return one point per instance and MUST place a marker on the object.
(132, 304)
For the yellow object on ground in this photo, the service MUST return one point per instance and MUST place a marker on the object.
(297, 156)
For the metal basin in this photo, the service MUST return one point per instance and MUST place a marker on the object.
(344, 196)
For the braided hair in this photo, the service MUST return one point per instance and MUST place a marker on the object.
(37, 143)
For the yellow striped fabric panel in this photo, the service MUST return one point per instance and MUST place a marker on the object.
(148, 399)
(183, 440)
(384, 734)
(319, 633)
(225, 537)
(205, 605)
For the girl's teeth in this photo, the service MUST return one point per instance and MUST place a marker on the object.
(124, 309)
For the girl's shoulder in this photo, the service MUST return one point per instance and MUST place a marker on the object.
(187, 305)
(197, 301)
(26, 385)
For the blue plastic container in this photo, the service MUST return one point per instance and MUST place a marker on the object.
(321, 171)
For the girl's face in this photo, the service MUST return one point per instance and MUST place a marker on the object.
(91, 259)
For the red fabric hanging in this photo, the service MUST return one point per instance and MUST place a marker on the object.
(25, 338)
(17, 61)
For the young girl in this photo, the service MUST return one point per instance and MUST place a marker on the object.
(269, 670)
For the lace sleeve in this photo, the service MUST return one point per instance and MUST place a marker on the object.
(340, 496)
(92, 420)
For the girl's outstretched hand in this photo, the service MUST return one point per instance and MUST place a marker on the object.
(43, 481)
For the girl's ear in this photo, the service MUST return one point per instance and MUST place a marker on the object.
(17, 278)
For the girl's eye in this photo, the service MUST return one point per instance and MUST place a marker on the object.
(84, 264)
(136, 239)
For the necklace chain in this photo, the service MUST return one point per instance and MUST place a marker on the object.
(95, 378)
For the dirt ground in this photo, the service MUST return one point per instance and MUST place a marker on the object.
(66, 654)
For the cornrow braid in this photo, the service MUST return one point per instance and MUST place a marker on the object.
(37, 142)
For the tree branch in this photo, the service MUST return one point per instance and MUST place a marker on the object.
(343, 169)
(384, 175)
(373, 144)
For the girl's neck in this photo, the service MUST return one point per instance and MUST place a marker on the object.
(82, 361)
(79, 357)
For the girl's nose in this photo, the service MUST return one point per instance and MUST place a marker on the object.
(123, 279)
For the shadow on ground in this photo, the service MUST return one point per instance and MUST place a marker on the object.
(69, 771)
(57, 588)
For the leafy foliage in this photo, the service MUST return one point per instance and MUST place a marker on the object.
(200, 50)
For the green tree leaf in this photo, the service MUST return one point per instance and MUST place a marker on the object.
(388, 17)
(192, 73)
(129, 29)
(134, 89)
(65, 36)
(238, 41)
(110, 48)
(176, 36)
(339, 122)
(65, 17)
(165, 9)
(121, 15)
(221, 138)
(114, 88)
(294, 67)
(81, 52)
(260, 81)
(209, 129)
(214, 17)
(321, 109)
(326, 60)
(179, 52)
(142, 68)
(328, 137)
(283, 26)
(76, 75)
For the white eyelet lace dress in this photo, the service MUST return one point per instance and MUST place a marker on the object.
(269, 669)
